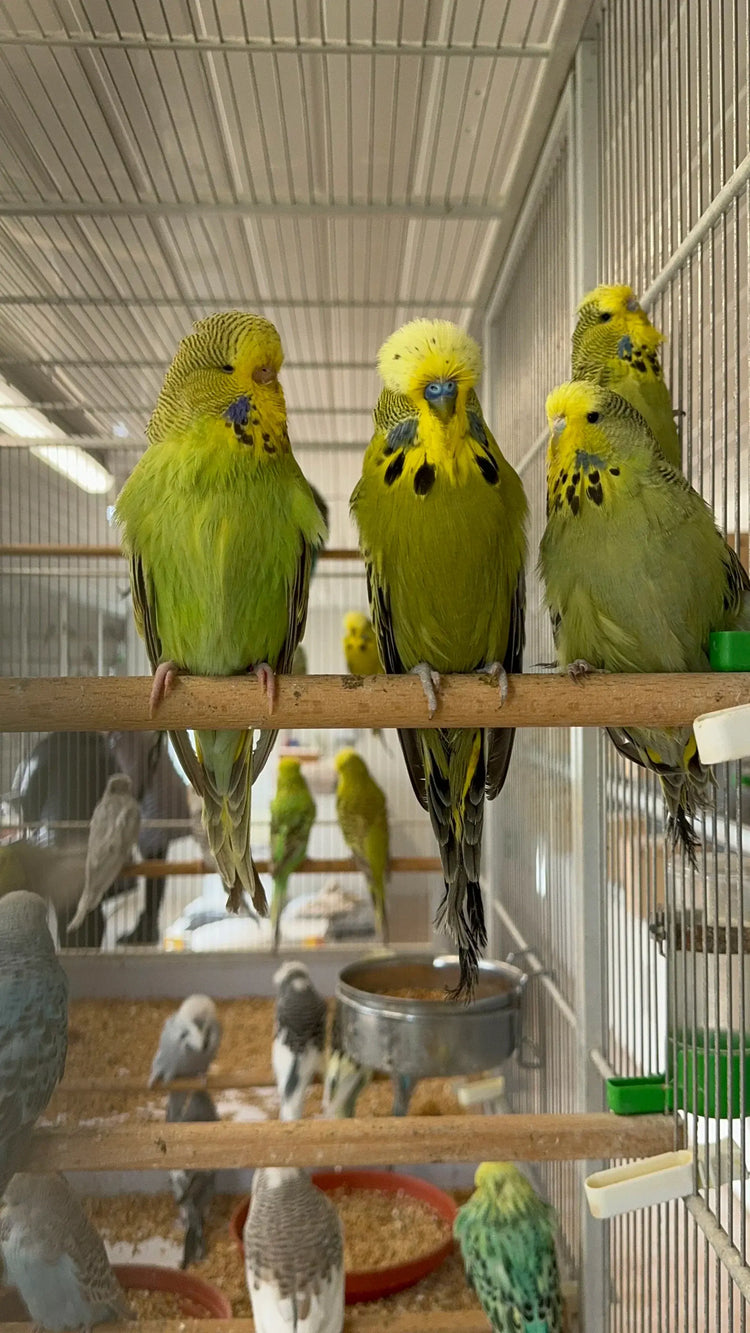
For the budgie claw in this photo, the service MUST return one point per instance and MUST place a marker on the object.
(267, 678)
(164, 678)
(430, 684)
(580, 668)
(497, 672)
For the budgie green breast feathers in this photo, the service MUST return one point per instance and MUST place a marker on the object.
(506, 1234)
(220, 526)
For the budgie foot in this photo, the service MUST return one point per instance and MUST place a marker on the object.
(430, 684)
(267, 678)
(581, 668)
(164, 678)
(496, 671)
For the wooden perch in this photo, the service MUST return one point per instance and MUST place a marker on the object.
(386, 1141)
(102, 703)
(310, 866)
(433, 1321)
(109, 552)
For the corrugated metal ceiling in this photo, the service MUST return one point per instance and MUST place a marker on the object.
(338, 166)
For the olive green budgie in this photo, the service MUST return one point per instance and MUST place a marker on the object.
(220, 526)
(441, 517)
(616, 345)
(363, 820)
(507, 1239)
(636, 574)
(292, 818)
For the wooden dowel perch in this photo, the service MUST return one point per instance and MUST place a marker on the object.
(434, 1321)
(109, 552)
(387, 1141)
(310, 866)
(102, 703)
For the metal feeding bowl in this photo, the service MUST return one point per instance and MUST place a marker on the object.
(393, 1016)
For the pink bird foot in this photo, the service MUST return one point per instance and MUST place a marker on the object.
(164, 678)
(267, 677)
(497, 673)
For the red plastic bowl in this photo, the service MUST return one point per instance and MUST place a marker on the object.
(372, 1284)
(199, 1299)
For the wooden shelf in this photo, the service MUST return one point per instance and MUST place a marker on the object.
(310, 866)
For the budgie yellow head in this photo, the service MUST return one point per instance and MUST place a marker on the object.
(596, 438)
(226, 370)
(431, 362)
(355, 622)
(612, 325)
(360, 646)
(503, 1182)
(349, 764)
(288, 769)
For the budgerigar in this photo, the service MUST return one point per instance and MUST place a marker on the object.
(345, 1078)
(361, 652)
(441, 517)
(189, 1041)
(363, 820)
(33, 1023)
(220, 527)
(292, 818)
(636, 573)
(113, 833)
(507, 1239)
(299, 1038)
(192, 1190)
(294, 1255)
(616, 345)
(53, 1254)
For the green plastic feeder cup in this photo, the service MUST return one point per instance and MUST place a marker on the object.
(729, 650)
(709, 1069)
(646, 1095)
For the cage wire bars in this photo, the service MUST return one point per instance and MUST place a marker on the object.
(656, 194)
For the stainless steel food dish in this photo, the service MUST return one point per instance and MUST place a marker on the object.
(413, 1038)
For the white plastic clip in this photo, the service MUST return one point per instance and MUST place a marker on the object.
(724, 735)
(640, 1184)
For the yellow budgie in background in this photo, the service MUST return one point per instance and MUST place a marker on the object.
(363, 820)
(616, 345)
(220, 527)
(441, 517)
(360, 646)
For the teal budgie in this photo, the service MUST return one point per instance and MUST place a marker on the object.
(292, 818)
(221, 527)
(507, 1239)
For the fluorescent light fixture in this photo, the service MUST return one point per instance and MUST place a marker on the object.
(69, 460)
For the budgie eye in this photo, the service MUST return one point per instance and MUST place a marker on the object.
(229, 370)
(593, 416)
(605, 317)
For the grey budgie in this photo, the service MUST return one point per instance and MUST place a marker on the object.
(113, 833)
(55, 1257)
(189, 1041)
(193, 1190)
(345, 1079)
(33, 1023)
(299, 1037)
(294, 1255)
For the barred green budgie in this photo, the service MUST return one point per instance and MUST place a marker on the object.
(221, 526)
(507, 1239)
(294, 1255)
(292, 818)
(616, 345)
(33, 1023)
(636, 574)
(441, 517)
(53, 1254)
(363, 819)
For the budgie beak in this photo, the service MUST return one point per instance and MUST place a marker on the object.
(558, 425)
(441, 395)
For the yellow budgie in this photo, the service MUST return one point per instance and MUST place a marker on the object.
(363, 820)
(361, 652)
(636, 573)
(616, 345)
(441, 517)
(220, 526)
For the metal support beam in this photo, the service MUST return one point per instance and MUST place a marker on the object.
(243, 299)
(154, 363)
(297, 46)
(250, 209)
(59, 405)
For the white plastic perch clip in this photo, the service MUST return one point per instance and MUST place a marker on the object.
(723, 736)
(640, 1184)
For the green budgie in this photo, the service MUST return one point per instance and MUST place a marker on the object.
(363, 820)
(221, 526)
(507, 1239)
(636, 574)
(292, 818)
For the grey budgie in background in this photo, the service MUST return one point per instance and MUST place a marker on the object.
(345, 1079)
(189, 1041)
(163, 795)
(113, 833)
(294, 1255)
(33, 1023)
(193, 1190)
(55, 1257)
(299, 1037)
